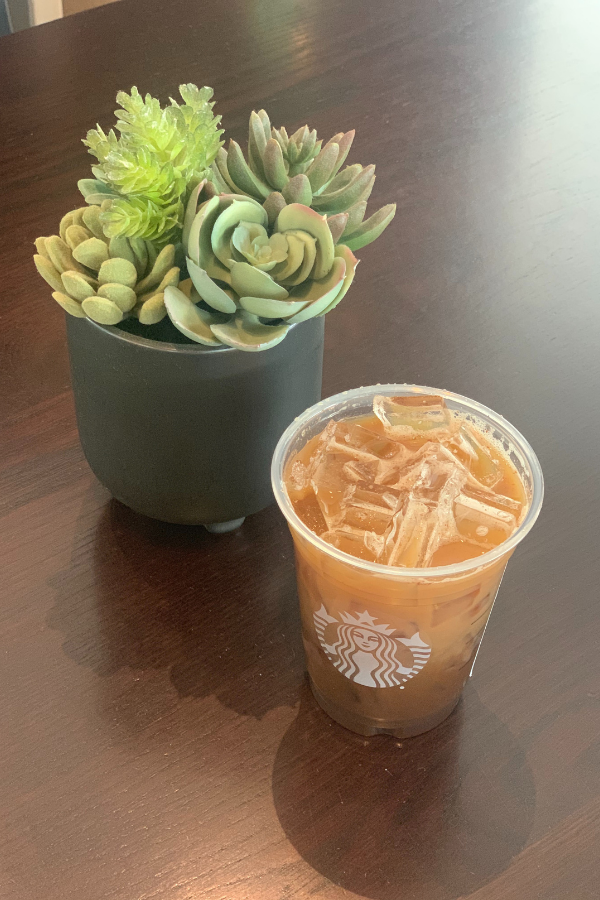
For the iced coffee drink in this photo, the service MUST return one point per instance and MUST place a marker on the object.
(405, 506)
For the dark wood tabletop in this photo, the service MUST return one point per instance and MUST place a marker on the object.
(157, 737)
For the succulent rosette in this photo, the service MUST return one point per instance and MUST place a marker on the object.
(300, 169)
(103, 278)
(253, 279)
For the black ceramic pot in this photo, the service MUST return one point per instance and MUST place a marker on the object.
(184, 433)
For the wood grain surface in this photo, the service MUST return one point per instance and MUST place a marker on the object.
(158, 740)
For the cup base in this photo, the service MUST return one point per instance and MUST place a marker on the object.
(368, 727)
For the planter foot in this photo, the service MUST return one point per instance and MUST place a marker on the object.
(224, 527)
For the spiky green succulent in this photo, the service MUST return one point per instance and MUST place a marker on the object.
(149, 169)
(253, 279)
(299, 169)
(105, 278)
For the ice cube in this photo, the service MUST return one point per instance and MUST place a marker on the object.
(360, 443)
(373, 496)
(447, 485)
(369, 508)
(507, 504)
(481, 522)
(415, 416)
(390, 469)
(406, 545)
(377, 521)
(362, 544)
(298, 480)
(308, 509)
(427, 471)
(355, 471)
(435, 480)
(409, 475)
(383, 448)
(329, 484)
(481, 463)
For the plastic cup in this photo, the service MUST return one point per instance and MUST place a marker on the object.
(389, 649)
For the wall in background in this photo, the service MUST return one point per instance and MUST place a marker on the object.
(41, 11)
(24, 13)
(19, 14)
(75, 6)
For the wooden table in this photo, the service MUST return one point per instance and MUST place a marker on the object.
(158, 740)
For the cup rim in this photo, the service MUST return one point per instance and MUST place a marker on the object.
(320, 409)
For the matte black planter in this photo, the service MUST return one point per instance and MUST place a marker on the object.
(184, 433)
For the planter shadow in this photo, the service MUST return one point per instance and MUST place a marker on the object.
(221, 620)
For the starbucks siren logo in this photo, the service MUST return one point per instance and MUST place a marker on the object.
(365, 652)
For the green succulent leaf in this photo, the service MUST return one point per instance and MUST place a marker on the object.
(298, 190)
(222, 231)
(190, 212)
(242, 176)
(274, 165)
(319, 294)
(153, 309)
(295, 216)
(192, 320)
(246, 332)
(125, 297)
(293, 260)
(339, 200)
(69, 305)
(371, 229)
(91, 253)
(137, 217)
(200, 251)
(257, 142)
(247, 281)
(78, 286)
(120, 248)
(75, 235)
(140, 253)
(221, 183)
(351, 263)
(320, 170)
(254, 244)
(272, 309)
(117, 270)
(210, 292)
(103, 311)
(309, 253)
(343, 178)
(273, 206)
(91, 220)
(344, 143)
(336, 225)
(49, 272)
(356, 214)
(89, 186)
(161, 266)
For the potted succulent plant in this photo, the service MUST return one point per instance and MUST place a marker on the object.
(182, 276)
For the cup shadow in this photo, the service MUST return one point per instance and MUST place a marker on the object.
(220, 617)
(428, 818)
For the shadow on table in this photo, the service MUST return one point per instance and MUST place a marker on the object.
(218, 612)
(428, 818)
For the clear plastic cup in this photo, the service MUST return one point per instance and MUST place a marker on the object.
(389, 649)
